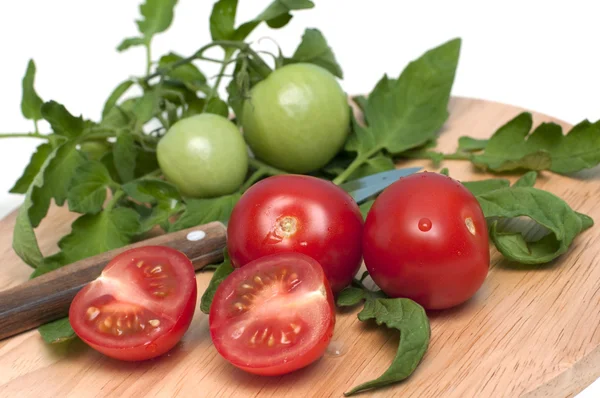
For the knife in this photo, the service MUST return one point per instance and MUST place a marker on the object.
(48, 297)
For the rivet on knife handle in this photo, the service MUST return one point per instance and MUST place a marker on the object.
(48, 297)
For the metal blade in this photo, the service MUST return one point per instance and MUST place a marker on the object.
(365, 187)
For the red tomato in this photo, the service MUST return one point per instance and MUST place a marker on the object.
(140, 306)
(274, 315)
(301, 214)
(426, 239)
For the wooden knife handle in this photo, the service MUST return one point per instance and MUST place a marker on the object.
(48, 297)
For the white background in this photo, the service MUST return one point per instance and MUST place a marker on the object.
(542, 55)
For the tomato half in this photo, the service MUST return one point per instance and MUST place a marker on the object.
(273, 316)
(426, 239)
(301, 214)
(140, 306)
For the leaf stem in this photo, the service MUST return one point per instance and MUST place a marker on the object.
(215, 87)
(356, 163)
(148, 57)
(36, 127)
(113, 201)
(427, 155)
(269, 170)
(25, 135)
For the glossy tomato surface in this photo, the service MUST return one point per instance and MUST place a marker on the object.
(300, 214)
(297, 119)
(140, 306)
(204, 156)
(273, 316)
(426, 239)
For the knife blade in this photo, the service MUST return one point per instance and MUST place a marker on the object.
(48, 297)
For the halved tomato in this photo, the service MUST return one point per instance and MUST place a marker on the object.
(140, 306)
(274, 315)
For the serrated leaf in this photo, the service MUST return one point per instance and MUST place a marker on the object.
(33, 168)
(124, 156)
(92, 234)
(484, 186)
(152, 191)
(410, 319)
(314, 49)
(276, 15)
(202, 211)
(545, 209)
(31, 103)
(114, 97)
(130, 42)
(220, 274)
(120, 116)
(527, 180)
(188, 73)
(58, 331)
(512, 147)
(350, 296)
(88, 188)
(217, 106)
(157, 16)
(145, 107)
(51, 181)
(408, 112)
(468, 144)
(61, 120)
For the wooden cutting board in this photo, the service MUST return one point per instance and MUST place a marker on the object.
(527, 333)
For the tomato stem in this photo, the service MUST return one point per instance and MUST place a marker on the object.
(23, 135)
(356, 163)
(148, 57)
(268, 170)
(215, 87)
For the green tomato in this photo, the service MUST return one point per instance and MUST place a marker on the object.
(95, 149)
(204, 156)
(297, 119)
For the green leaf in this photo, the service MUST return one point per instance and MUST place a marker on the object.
(202, 211)
(88, 188)
(33, 168)
(407, 113)
(527, 180)
(542, 207)
(222, 19)
(115, 96)
(445, 171)
(61, 120)
(157, 17)
(92, 234)
(512, 147)
(314, 49)
(125, 153)
(276, 15)
(145, 163)
(188, 73)
(218, 107)
(351, 296)
(484, 186)
(57, 331)
(365, 207)
(130, 42)
(468, 144)
(31, 103)
(586, 221)
(220, 274)
(145, 107)
(152, 191)
(120, 116)
(411, 320)
(51, 181)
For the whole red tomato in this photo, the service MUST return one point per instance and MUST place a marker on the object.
(297, 213)
(426, 239)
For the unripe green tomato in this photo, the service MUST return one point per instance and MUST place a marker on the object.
(297, 119)
(204, 156)
(95, 149)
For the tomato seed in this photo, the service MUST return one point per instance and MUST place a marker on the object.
(253, 338)
(258, 281)
(470, 225)
(247, 287)
(271, 340)
(108, 322)
(239, 306)
(140, 264)
(154, 323)
(284, 339)
(92, 313)
(295, 328)
(156, 269)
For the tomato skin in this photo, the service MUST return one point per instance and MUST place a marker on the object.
(315, 303)
(123, 284)
(417, 243)
(297, 119)
(204, 156)
(327, 222)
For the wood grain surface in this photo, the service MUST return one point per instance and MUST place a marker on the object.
(530, 332)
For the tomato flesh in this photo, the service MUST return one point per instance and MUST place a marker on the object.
(297, 213)
(140, 306)
(273, 316)
(426, 239)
